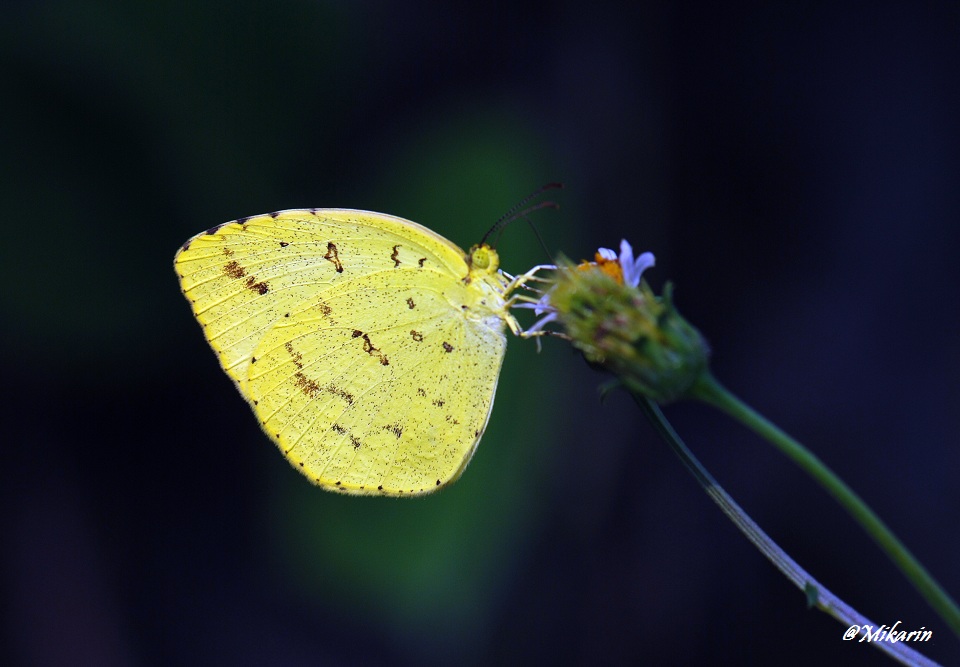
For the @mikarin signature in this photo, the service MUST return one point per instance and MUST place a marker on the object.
(886, 633)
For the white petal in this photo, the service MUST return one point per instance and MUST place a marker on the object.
(633, 268)
(540, 323)
(626, 253)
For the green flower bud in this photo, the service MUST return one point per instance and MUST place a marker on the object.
(626, 329)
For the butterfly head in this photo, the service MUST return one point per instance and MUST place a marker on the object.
(482, 260)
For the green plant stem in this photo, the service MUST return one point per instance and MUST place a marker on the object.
(711, 391)
(817, 594)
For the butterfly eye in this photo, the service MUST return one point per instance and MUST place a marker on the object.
(484, 258)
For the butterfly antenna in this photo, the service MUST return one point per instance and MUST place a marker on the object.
(523, 214)
(512, 214)
(543, 245)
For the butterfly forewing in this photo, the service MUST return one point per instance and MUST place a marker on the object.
(244, 276)
(366, 355)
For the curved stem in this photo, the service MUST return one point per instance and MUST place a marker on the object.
(816, 593)
(711, 391)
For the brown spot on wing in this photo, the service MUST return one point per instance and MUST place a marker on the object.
(416, 335)
(421, 261)
(234, 270)
(295, 355)
(258, 287)
(395, 256)
(439, 402)
(228, 252)
(447, 347)
(337, 391)
(395, 428)
(369, 348)
(309, 388)
(421, 392)
(334, 256)
(283, 244)
(410, 304)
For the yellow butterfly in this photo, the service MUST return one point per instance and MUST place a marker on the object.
(368, 346)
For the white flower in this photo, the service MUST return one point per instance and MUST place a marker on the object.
(630, 268)
(539, 308)
(607, 254)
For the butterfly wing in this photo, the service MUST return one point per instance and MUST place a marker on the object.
(381, 386)
(243, 276)
(364, 353)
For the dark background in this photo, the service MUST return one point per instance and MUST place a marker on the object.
(794, 166)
